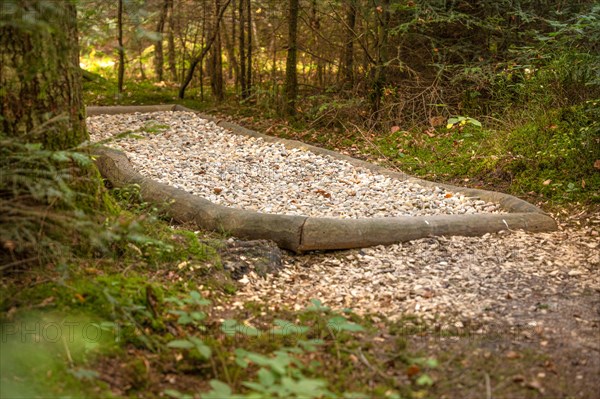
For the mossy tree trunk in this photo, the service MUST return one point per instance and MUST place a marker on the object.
(40, 78)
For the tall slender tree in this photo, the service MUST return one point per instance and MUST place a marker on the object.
(242, 40)
(121, 49)
(249, 52)
(315, 24)
(171, 43)
(216, 60)
(40, 78)
(158, 45)
(378, 72)
(348, 56)
(291, 73)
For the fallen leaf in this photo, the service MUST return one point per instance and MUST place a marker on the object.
(323, 193)
(546, 182)
(79, 297)
(427, 294)
(437, 121)
(182, 265)
(512, 355)
(92, 270)
(582, 183)
(394, 129)
(448, 195)
(412, 370)
(550, 366)
(217, 190)
(597, 164)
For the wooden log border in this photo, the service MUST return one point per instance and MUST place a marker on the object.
(303, 233)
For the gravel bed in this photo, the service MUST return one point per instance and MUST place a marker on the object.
(191, 153)
(505, 275)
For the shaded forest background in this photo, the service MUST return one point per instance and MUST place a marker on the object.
(364, 61)
(501, 92)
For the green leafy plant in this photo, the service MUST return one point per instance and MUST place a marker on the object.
(188, 309)
(48, 201)
(282, 373)
(189, 314)
(460, 121)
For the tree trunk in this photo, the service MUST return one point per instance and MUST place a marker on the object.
(121, 50)
(233, 64)
(234, 60)
(315, 24)
(249, 52)
(242, 51)
(348, 56)
(141, 61)
(378, 72)
(171, 43)
(291, 75)
(158, 46)
(40, 78)
(216, 75)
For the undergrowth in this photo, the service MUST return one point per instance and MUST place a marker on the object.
(114, 286)
(47, 205)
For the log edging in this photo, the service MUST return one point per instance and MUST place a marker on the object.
(303, 233)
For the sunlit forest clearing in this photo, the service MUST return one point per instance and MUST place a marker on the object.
(107, 294)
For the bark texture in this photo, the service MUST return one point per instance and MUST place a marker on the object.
(348, 56)
(40, 78)
(121, 49)
(216, 61)
(291, 74)
(158, 46)
(242, 40)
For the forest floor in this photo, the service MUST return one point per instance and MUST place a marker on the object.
(512, 315)
(530, 334)
(526, 324)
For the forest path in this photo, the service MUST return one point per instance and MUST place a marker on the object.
(529, 299)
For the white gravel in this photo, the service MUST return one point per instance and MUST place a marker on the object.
(191, 153)
(497, 276)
